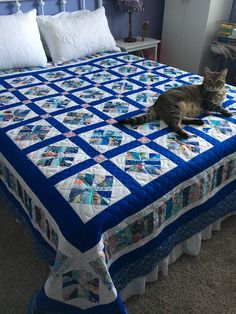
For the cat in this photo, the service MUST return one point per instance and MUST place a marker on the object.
(183, 104)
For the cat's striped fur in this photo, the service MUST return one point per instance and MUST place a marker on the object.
(183, 104)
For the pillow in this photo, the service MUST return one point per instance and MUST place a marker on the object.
(72, 37)
(21, 45)
(41, 19)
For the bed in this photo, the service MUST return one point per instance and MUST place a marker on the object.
(110, 205)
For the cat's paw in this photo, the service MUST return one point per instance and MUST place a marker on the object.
(199, 122)
(184, 135)
(227, 114)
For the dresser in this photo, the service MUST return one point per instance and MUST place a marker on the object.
(189, 27)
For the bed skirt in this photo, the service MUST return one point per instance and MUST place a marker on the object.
(191, 246)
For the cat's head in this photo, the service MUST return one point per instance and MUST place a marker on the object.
(214, 81)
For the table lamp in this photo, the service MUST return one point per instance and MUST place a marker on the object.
(129, 6)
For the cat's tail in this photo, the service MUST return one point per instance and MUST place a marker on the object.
(147, 117)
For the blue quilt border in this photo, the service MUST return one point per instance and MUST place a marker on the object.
(37, 181)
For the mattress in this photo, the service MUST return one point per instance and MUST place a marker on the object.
(104, 198)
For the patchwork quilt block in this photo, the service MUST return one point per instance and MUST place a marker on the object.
(102, 196)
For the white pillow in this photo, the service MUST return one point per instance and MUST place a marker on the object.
(74, 37)
(41, 19)
(20, 43)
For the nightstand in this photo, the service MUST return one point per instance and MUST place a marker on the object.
(139, 45)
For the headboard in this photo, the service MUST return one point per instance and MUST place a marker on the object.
(41, 4)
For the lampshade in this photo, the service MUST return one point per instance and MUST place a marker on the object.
(129, 5)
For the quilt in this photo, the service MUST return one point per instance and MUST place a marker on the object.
(107, 200)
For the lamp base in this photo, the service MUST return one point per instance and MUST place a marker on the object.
(130, 40)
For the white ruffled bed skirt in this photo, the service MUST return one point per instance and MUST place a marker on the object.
(191, 246)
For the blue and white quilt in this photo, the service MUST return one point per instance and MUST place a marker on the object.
(100, 195)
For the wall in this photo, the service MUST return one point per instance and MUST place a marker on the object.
(233, 12)
(118, 21)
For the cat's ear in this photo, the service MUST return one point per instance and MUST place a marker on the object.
(207, 71)
(224, 72)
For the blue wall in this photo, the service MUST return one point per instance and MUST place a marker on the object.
(118, 21)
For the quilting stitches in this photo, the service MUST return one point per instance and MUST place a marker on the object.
(80, 284)
(91, 94)
(101, 77)
(106, 137)
(83, 69)
(11, 116)
(18, 70)
(149, 64)
(193, 79)
(230, 90)
(56, 157)
(194, 192)
(172, 72)
(148, 128)
(149, 78)
(185, 149)
(122, 86)
(2, 87)
(22, 81)
(55, 103)
(143, 164)
(217, 128)
(221, 126)
(100, 268)
(152, 126)
(146, 98)
(120, 237)
(30, 134)
(149, 163)
(72, 84)
(78, 118)
(7, 98)
(54, 75)
(133, 233)
(62, 262)
(37, 91)
(175, 142)
(116, 107)
(129, 58)
(174, 84)
(107, 63)
(127, 69)
(91, 189)
(232, 108)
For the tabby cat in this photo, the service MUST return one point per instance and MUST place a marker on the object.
(183, 104)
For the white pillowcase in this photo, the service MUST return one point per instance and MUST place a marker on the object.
(41, 19)
(74, 37)
(20, 43)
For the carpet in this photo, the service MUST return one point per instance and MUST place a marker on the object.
(195, 285)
